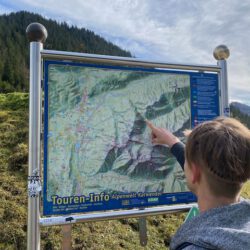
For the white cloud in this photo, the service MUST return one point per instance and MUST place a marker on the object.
(172, 31)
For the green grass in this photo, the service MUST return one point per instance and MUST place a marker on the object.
(115, 234)
(246, 190)
(13, 170)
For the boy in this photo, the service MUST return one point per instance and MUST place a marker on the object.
(217, 163)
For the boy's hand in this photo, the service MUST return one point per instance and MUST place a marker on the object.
(162, 135)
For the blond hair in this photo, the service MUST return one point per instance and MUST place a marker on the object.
(222, 148)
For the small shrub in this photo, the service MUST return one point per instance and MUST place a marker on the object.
(14, 101)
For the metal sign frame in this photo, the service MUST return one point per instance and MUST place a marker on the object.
(37, 35)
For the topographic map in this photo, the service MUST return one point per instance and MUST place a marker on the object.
(97, 137)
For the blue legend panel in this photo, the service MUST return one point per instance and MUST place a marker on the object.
(204, 97)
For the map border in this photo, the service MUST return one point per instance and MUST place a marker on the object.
(163, 199)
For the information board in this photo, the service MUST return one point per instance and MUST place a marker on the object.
(98, 153)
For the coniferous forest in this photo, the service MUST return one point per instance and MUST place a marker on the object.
(14, 46)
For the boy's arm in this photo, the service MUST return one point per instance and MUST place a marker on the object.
(178, 150)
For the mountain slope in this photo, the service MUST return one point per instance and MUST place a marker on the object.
(245, 109)
(14, 46)
(241, 112)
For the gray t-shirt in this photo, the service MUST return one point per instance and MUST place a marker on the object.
(226, 227)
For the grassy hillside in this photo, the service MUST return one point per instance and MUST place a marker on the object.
(117, 234)
(13, 169)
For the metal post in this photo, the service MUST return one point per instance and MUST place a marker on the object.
(221, 53)
(37, 34)
(66, 237)
(143, 231)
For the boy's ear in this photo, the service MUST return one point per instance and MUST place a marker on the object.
(196, 173)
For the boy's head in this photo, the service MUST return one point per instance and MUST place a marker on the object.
(221, 148)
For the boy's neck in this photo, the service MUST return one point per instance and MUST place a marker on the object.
(207, 201)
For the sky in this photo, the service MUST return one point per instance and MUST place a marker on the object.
(172, 31)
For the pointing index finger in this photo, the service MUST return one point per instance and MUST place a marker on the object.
(150, 124)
